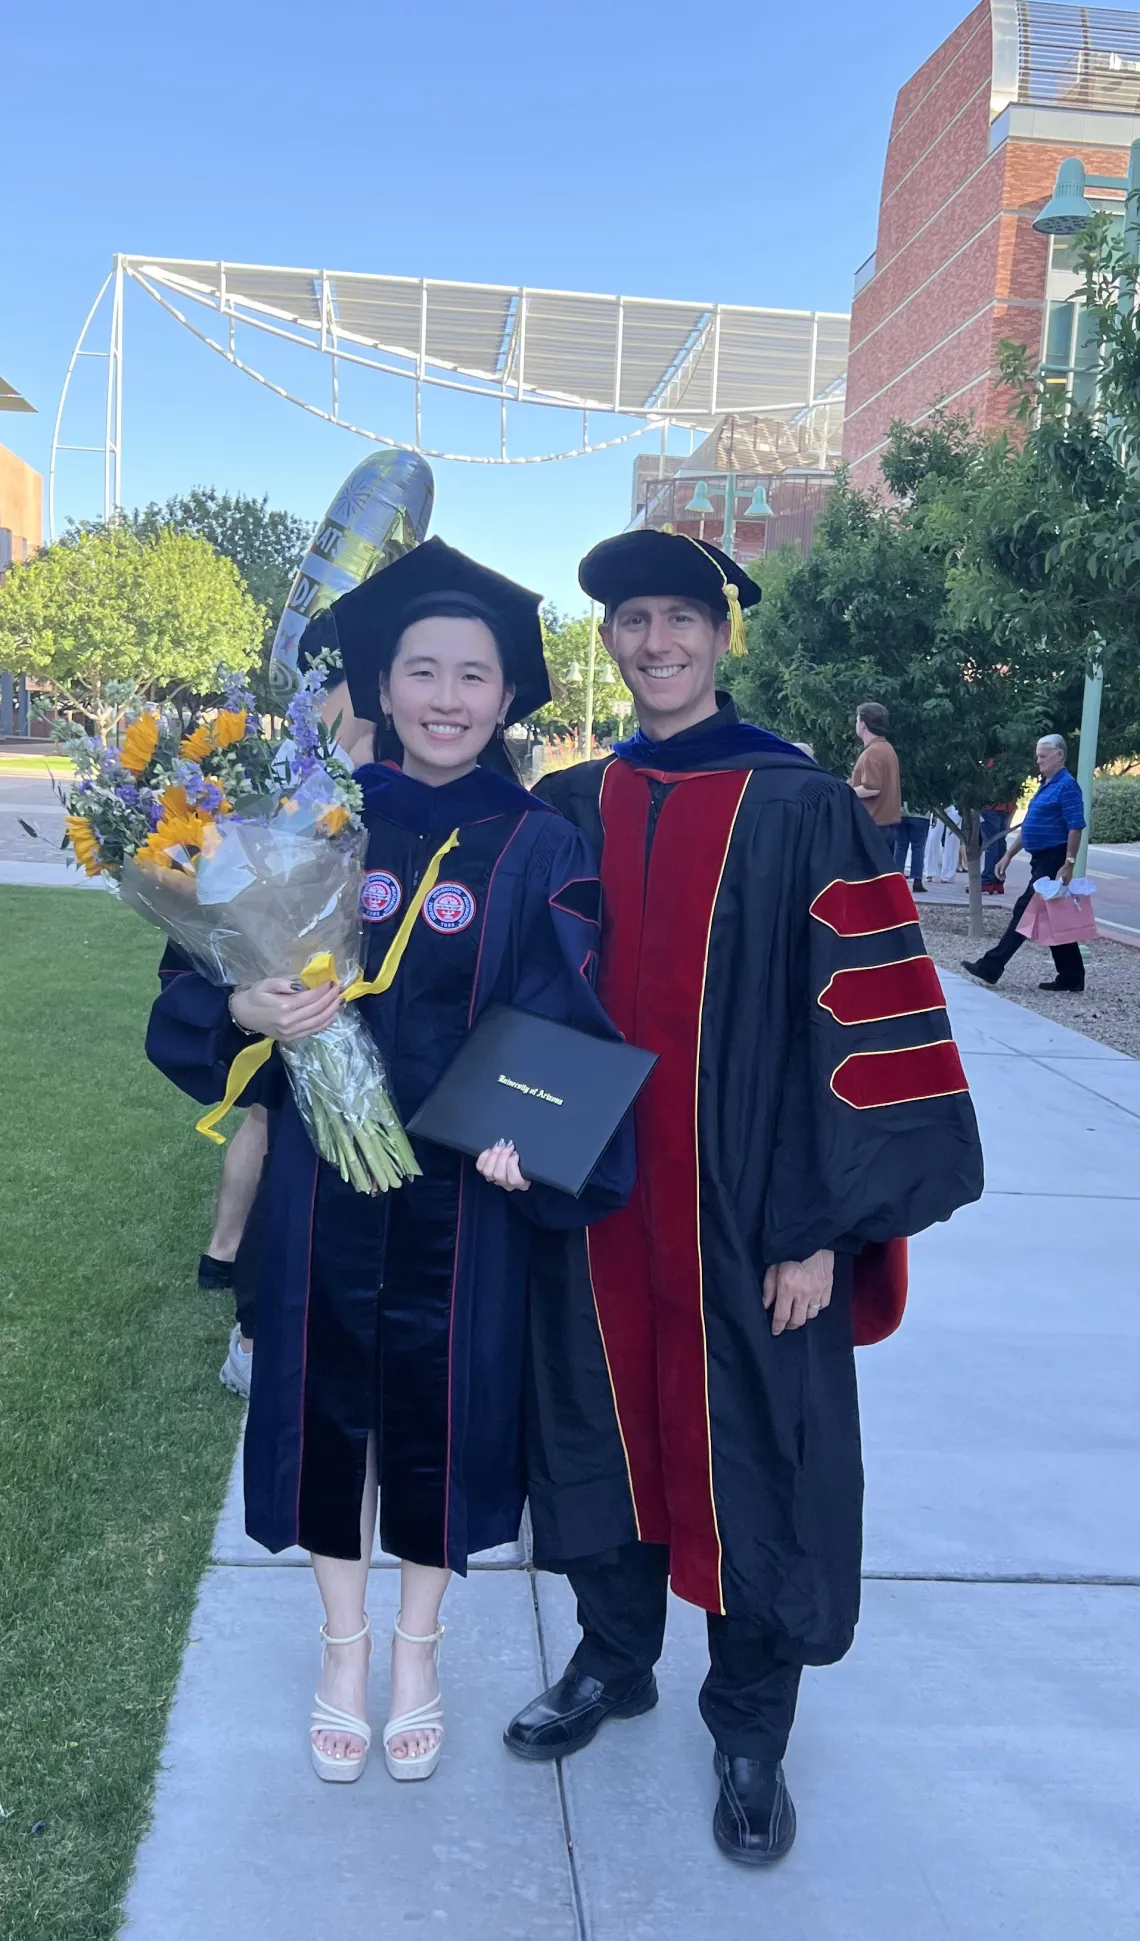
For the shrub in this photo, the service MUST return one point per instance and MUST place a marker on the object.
(1116, 809)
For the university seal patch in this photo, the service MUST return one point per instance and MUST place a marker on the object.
(449, 907)
(380, 896)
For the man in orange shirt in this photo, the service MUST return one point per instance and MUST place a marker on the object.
(875, 776)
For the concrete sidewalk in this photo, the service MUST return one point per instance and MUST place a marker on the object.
(969, 1772)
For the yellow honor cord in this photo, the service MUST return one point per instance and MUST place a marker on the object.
(247, 1062)
(321, 969)
(737, 644)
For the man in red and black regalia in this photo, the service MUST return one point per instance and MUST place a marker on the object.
(693, 1415)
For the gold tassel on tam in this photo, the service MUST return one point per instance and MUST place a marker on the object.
(737, 644)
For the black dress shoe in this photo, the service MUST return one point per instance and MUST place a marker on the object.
(1055, 984)
(565, 1718)
(977, 970)
(916, 887)
(755, 1821)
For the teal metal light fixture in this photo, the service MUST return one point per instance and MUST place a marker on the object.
(700, 501)
(758, 506)
(1068, 211)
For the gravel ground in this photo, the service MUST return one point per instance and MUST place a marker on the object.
(1109, 1007)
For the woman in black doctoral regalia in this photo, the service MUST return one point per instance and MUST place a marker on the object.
(390, 1331)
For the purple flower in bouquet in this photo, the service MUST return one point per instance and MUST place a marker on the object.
(304, 724)
(237, 696)
(128, 794)
(188, 775)
(302, 717)
(201, 793)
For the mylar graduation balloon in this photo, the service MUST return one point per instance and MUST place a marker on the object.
(381, 511)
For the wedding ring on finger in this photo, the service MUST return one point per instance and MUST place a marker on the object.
(813, 1311)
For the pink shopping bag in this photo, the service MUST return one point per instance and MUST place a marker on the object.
(1061, 920)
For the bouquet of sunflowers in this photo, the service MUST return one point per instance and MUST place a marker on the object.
(248, 853)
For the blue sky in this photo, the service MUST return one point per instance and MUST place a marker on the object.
(725, 152)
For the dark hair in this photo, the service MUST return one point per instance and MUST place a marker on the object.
(874, 717)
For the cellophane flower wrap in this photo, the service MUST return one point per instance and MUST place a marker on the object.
(248, 853)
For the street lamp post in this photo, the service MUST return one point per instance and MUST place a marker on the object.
(1065, 215)
(591, 667)
(757, 508)
(595, 676)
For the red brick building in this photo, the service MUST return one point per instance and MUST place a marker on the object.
(975, 143)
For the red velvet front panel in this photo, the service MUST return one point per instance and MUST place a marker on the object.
(646, 1261)
(618, 1247)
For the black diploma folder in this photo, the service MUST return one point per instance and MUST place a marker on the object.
(558, 1094)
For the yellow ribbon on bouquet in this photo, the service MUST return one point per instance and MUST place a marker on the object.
(321, 969)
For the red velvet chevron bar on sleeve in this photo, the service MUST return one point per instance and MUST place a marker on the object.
(868, 1078)
(873, 993)
(861, 908)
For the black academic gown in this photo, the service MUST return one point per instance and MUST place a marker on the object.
(404, 1315)
(808, 1096)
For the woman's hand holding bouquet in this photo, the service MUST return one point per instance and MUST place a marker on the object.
(275, 1008)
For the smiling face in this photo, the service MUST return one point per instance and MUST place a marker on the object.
(446, 695)
(667, 649)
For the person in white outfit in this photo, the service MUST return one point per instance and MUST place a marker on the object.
(942, 847)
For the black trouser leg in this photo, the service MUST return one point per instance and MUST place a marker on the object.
(748, 1700)
(622, 1601)
(1069, 965)
(1047, 863)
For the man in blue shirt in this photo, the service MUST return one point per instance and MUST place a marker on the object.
(1051, 832)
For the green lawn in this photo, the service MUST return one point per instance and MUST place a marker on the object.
(115, 1435)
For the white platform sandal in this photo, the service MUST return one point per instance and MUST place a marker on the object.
(425, 1718)
(329, 1718)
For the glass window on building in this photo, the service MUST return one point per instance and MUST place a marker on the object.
(1071, 352)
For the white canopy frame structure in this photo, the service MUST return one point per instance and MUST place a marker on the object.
(660, 361)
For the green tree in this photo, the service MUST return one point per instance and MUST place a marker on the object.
(106, 615)
(566, 642)
(265, 544)
(1053, 551)
(870, 615)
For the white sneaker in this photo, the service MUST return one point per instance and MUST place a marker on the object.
(237, 1368)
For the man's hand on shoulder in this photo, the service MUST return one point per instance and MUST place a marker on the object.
(796, 1291)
